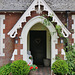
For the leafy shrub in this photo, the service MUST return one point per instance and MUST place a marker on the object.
(59, 30)
(60, 67)
(70, 55)
(19, 67)
(5, 70)
(33, 67)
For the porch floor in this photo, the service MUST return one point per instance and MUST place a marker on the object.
(43, 71)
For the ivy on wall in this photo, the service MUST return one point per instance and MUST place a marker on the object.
(48, 21)
(68, 48)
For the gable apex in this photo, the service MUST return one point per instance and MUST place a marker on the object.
(27, 13)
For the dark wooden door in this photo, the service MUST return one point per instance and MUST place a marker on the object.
(38, 46)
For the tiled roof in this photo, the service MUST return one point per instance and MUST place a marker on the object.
(56, 5)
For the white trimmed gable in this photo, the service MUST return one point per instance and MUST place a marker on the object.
(27, 13)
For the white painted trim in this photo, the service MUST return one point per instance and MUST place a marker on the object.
(56, 42)
(63, 53)
(27, 27)
(73, 27)
(14, 53)
(56, 51)
(2, 35)
(21, 52)
(55, 18)
(27, 13)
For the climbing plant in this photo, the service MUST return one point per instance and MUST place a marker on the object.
(70, 54)
(47, 22)
(59, 30)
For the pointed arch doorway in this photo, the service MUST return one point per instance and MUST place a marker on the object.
(38, 46)
(39, 43)
(25, 32)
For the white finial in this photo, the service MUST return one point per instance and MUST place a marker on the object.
(39, 7)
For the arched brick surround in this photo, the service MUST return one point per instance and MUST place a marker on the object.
(19, 47)
(24, 34)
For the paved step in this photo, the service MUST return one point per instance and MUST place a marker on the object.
(43, 71)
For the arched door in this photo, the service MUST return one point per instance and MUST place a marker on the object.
(38, 46)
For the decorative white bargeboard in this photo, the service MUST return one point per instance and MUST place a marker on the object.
(27, 13)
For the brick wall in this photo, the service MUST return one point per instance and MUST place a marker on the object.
(10, 20)
(59, 46)
(62, 17)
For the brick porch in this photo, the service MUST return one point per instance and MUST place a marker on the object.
(43, 71)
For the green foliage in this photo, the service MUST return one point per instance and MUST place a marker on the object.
(5, 70)
(46, 22)
(19, 67)
(58, 28)
(50, 18)
(70, 55)
(58, 57)
(65, 24)
(60, 67)
(69, 47)
(33, 67)
(65, 41)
